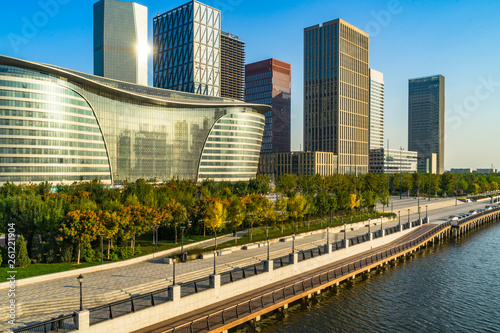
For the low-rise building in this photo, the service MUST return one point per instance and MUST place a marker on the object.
(393, 160)
(487, 170)
(300, 163)
(461, 170)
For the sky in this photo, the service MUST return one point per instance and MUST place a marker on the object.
(459, 39)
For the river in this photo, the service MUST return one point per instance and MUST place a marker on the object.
(451, 287)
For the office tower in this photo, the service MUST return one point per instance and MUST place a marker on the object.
(426, 122)
(336, 84)
(121, 41)
(187, 49)
(232, 74)
(376, 109)
(269, 82)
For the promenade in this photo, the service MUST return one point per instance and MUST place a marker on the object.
(40, 301)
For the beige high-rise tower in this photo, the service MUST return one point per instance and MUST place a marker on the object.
(336, 93)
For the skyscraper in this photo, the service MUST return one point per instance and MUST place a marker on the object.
(121, 41)
(269, 82)
(336, 93)
(187, 49)
(426, 121)
(376, 109)
(232, 74)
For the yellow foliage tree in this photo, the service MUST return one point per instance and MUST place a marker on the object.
(215, 215)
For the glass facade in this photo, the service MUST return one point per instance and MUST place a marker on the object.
(426, 120)
(121, 41)
(269, 82)
(187, 49)
(61, 126)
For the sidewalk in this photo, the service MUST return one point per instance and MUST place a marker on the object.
(54, 297)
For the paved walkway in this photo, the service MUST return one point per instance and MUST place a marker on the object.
(59, 296)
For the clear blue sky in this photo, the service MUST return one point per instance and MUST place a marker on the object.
(458, 39)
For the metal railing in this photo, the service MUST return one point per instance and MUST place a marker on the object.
(61, 324)
(475, 216)
(240, 310)
(136, 303)
(126, 306)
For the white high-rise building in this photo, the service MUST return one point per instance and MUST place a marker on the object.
(121, 41)
(376, 109)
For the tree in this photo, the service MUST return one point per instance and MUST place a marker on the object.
(287, 184)
(353, 202)
(111, 224)
(322, 203)
(297, 207)
(281, 206)
(235, 213)
(255, 206)
(82, 227)
(22, 259)
(259, 185)
(215, 215)
(178, 213)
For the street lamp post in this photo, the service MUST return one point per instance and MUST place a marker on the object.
(345, 232)
(155, 235)
(425, 211)
(408, 215)
(399, 213)
(419, 213)
(418, 194)
(80, 280)
(293, 243)
(173, 273)
(102, 248)
(267, 249)
(215, 255)
(182, 240)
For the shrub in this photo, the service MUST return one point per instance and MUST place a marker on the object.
(113, 256)
(123, 252)
(67, 252)
(88, 253)
(36, 250)
(22, 260)
(52, 249)
(138, 250)
(1, 255)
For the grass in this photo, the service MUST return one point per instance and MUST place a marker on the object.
(274, 232)
(41, 269)
(147, 247)
(145, 241)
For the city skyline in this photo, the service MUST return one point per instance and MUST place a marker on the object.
(406, 40)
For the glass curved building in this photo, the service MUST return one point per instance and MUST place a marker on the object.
(61, 126)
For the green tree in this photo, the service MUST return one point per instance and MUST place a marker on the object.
(82, 227)
(297, 206)
(282, 210)
(235, 213)
(22, 258)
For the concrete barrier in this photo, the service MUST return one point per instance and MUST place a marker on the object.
(179, 306)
